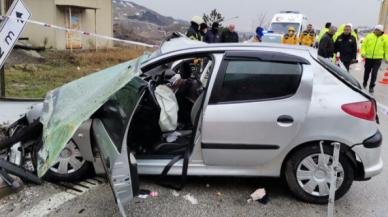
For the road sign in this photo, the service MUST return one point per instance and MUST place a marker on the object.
(12, 27)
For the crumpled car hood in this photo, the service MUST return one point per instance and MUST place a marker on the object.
(67, 107)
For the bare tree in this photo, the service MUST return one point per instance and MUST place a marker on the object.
(262, 19)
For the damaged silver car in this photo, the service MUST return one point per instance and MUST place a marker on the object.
(194, 109)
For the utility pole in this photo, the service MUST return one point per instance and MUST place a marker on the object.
(2, 82)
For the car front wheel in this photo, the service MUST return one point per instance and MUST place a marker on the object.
(307, 173)
(70, 165)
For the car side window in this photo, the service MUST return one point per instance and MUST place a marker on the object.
(255, 80)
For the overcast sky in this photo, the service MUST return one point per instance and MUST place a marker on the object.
(357, 12)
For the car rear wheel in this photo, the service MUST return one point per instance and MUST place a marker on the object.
(307, 174)
(70, 165)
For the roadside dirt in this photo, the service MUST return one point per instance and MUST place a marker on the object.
(33, 78)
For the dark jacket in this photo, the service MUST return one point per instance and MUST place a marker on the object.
(229, 37)
(326, 46)
(212, 36)
(193, 33)
(347, 46)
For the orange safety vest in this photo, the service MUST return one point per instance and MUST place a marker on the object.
(292, 40)
(307, 38)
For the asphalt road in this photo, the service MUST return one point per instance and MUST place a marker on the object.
(215, 196)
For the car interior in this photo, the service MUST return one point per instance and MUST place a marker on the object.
(186, 80)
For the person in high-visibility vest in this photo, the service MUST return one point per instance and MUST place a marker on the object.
(374, 49)
(326, 45)
(307, 37)
(324, 31)
(346, 46)
(193, 32)
(290, 37)
(341, 30)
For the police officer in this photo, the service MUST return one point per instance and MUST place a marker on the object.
(326, 45)
(374, 48)
(346, 45)
(307, 37)
(193, 32)
(324, 31)
(290, 37)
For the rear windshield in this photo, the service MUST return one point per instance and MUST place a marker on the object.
(339, 72)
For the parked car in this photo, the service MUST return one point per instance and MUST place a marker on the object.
(245, 110)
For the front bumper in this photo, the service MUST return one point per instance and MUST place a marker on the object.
(369, 153)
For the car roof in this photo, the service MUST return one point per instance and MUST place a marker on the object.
(184, 43)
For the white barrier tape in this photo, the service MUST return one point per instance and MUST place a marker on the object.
(383, 109)
(81, 32)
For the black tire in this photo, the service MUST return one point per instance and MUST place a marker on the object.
(84, 172)
(296, 158)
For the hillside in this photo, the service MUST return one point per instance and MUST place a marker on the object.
(136, 22)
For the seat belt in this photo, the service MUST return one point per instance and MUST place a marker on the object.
(168, 167)
(185, 157)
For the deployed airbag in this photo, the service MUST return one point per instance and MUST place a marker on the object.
(168, 120)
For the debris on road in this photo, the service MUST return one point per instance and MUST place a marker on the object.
(259, 195)
(5, 188)
(219, 194)
(191, 199)
(144, 194)
(207, 185)
(175, 193)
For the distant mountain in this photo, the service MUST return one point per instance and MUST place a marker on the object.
(136, 22)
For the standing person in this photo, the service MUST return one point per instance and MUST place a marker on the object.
(259, 34)
(229, 35)
(326, 45)
(193, 32)
(374, 49)
(346, 45)
(290, 37)
(324, 31)
(307, 37)
(203, 30)
(212, 35)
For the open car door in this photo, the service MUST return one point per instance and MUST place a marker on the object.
(110, 131)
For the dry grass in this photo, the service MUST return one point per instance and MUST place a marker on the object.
(60, 67)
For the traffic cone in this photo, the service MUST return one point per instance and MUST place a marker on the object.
(385, 79)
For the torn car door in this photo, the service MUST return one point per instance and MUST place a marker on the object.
(110, 131)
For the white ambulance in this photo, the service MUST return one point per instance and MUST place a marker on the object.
(281, 22)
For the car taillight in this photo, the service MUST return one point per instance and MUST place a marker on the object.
(364, 110)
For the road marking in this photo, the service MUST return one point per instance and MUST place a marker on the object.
(50, 204)
(46, 206)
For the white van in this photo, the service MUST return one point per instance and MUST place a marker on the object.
(281, 22)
